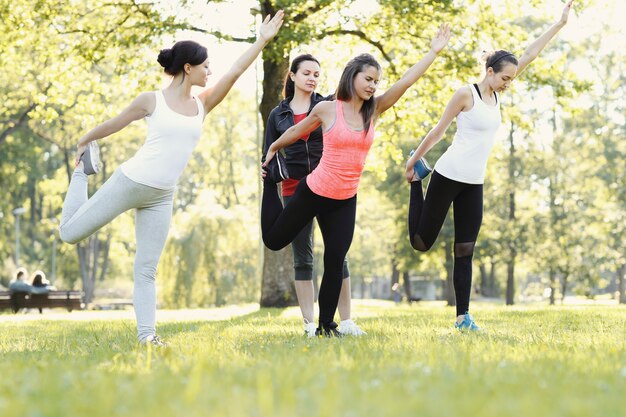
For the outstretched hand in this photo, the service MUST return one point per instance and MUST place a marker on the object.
(268, 157)
(566, 10)
(441, 38)
(269, 28)
(80, 150)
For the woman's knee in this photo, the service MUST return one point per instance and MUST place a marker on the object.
(464, 249)
(67, 237)
(418, 244)
(273, 245)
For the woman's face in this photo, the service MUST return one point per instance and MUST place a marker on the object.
(199, 74)
(307, 76)
(366, 82)
(500, 81)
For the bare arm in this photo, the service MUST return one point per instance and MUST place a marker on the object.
(295, 132)
(214, 96)
(533, 50)
(391, 96)
(140, 107)
(460, 101)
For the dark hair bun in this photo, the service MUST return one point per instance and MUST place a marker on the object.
(165, 58)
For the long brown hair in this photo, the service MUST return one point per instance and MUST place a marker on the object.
(345, 90)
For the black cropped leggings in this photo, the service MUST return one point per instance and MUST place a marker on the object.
(426, 217)
(336, 219)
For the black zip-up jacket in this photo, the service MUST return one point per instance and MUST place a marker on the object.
(302, 156)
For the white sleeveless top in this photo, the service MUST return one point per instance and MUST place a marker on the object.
(171, 139)
(466, 159)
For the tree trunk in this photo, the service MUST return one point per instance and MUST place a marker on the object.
(621, 286)
(564, 287)
(510, 283)
(407, 284)
(450, 297)
(510, 267)
(395, 276)
(493, 287)
(552, 286)
(483, 279)
(277, 287)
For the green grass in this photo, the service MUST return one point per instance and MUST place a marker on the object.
(529, 361)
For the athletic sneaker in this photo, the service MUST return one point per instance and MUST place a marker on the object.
(91, 159)
(154, 340)
(328, 330)
(277, 168)
(421, 168)
(467, 323)
(350, 328)
(309, 329)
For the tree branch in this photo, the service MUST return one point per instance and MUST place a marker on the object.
(360, 34)
(305, 15)
(17, 123)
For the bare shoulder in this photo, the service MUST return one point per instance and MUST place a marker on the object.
(325, 106)
(463, 98)
(145, 101)
(325, 112)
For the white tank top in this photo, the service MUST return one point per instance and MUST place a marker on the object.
(171, 139)
(466, 159)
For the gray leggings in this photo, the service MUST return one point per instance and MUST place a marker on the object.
(83, 216)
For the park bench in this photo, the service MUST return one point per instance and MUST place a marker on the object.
(71, 300)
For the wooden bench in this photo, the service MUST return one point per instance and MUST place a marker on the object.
(71, 300)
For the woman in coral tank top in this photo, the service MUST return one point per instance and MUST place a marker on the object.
(329, 192)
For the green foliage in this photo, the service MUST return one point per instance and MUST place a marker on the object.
(87, 60)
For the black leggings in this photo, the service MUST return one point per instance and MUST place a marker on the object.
(426, 217)
(336, 220)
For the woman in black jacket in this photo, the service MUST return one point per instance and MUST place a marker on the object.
(301, 158)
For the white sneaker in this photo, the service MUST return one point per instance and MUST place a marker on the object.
(154, 340)
(350, 328)
(91, 159)
(309, 329)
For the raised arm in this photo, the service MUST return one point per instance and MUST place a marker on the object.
(214, 96)
(533, 50)
(140, 107)
(409, 78)
(460, 101)
(295, 132)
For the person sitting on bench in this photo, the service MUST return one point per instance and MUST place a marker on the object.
(40, 285)
(18, 284)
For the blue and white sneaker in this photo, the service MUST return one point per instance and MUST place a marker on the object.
(421, 168)
(467, 323)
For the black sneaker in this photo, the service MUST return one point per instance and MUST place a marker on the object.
(91, 159)
(328, 330)
(277, 168)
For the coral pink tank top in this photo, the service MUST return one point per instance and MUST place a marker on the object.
(338, 174)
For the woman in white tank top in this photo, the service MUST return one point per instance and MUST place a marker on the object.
(146, 182)
(459, 173)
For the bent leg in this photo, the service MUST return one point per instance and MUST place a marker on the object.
(426, 216)
(281, 225)
(81, 217)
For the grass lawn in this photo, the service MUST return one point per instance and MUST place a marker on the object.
(528, 361)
